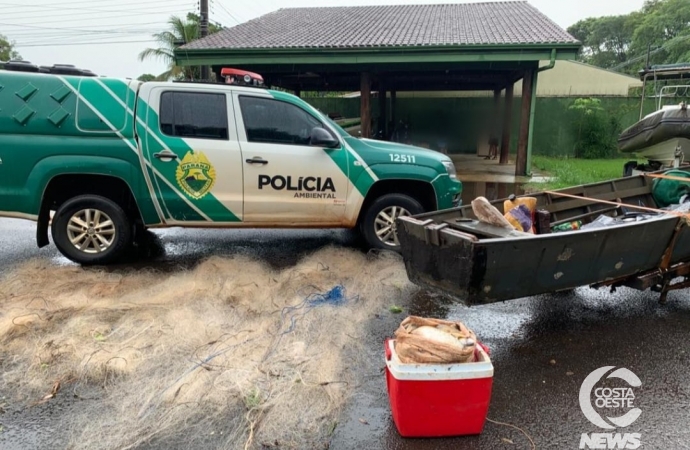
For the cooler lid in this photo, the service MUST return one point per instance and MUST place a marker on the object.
(438, 372)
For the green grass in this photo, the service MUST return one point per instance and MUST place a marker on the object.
(573, 172)
(395, 309)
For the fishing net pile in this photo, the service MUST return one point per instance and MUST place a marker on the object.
(231, 354)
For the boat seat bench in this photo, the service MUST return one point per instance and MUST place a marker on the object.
(484, 229)
(612, 196)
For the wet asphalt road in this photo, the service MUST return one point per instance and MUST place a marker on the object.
(185, 247)
(542, 348)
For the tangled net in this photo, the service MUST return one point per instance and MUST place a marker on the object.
(231, 351)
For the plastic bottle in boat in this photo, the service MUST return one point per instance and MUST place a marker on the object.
(568, 226)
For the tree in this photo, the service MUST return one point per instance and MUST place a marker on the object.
(622, 42)
(180, 32)
(147, 77)
(595, 133)
(7, 50)
(666, 27)
(606, 41)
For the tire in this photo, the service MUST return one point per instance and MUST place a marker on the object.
(115, 230)
(628, 168)
(385, 204)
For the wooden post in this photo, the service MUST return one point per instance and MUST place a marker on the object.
(502, 190)
(365, 105)
(507, 124)
(393, 108)
(533, 108)
(497, 102)
(383, 116)
(495, 127)
(521, 159)
(203, 31)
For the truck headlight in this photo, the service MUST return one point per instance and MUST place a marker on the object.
(450, 168)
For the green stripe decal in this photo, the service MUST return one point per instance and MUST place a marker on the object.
(110, 108)
(90, 93)
(209, 205)
(347, 160)
(182, 210)
(115, 113)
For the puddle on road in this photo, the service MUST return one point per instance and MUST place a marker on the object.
(522, 319)
(169, 250)
(492, 321)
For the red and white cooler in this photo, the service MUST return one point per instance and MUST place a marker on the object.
(438, 400)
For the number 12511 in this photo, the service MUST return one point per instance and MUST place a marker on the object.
(395, 157)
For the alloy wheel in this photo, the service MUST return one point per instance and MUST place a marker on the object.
(385, 226)
(91, 231)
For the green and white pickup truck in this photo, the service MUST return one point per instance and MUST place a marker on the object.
(108, 158)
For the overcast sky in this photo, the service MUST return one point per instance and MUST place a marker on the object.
(106, 36)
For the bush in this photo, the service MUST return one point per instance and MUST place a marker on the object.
(595, 131)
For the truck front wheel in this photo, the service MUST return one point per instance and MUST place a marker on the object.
(379, 226)
(90, 229)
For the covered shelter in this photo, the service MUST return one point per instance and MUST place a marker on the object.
(390, 49)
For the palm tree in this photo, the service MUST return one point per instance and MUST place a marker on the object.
(180, 32)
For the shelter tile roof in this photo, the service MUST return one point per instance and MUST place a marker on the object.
(493, 23)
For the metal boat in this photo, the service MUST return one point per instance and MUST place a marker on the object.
(452, 252)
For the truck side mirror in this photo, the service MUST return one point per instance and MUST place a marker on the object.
(322, 138)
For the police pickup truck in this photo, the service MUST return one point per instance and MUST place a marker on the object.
(108, 158)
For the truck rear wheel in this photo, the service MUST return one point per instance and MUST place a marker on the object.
(379, 227)
(90, 229)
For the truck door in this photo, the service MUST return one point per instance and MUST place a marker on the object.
(191, 144)
(286, 180)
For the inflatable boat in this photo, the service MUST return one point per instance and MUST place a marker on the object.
(662, 137)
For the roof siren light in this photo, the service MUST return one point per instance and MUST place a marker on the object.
(241, 77)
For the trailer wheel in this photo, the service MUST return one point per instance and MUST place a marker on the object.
(628, 168)
(379, 226)
(90, 229)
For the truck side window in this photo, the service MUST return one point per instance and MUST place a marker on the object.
(272, 121)
(194, 115)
